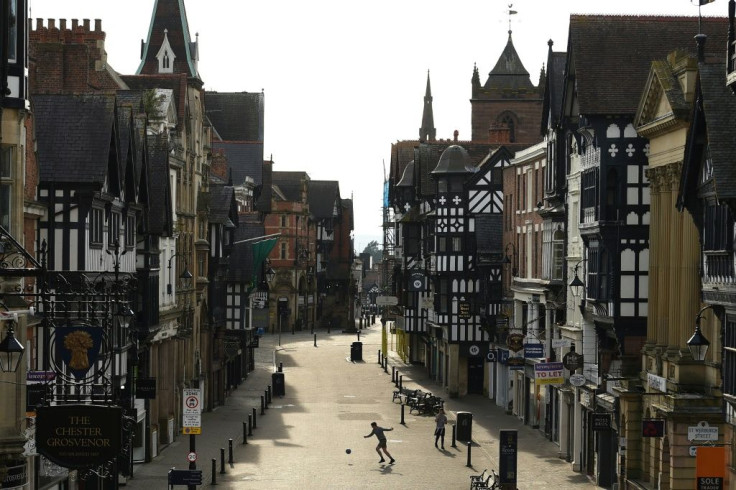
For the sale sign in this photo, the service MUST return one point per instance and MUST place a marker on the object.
(548, 373)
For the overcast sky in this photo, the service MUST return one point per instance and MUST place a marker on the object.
(345, 79)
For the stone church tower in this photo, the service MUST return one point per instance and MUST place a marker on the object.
(508, 103)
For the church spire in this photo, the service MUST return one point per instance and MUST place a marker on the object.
(169, 48)
(427, 132)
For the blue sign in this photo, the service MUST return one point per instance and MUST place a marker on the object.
(533, 351)
(503, 356)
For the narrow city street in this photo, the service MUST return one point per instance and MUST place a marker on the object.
(302, 438)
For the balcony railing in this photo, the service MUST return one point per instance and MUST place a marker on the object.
(719, 268)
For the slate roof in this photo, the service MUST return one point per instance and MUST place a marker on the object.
(236, 116)
(509, 72)
(159, 210)
(554, 88)
(322, 196)
(220, 202)
(73, 134)
(169, 15)
(289, 183)
(244, 159)
(428, 154)
(719, 105)
(611, 55)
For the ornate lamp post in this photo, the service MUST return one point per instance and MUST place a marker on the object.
(11, 350)
(698, 344)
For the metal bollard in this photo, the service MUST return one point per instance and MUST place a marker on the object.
(250, 424)
(453, 436)
(401, 382)
(263, 405)
(281, 367)
(222, 460)
(245, 433)
(255, 424)
(214, 471)
(393, 374)
(385, 365)
(402, 414)
(468, 464)
(379, 357)
(265, 398)
(358, 335)
(230, 452)
(270, 394)
(396, 383)
(315, 340)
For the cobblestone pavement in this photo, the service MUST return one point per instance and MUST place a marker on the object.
(302, 438)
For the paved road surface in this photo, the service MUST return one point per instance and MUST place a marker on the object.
(301, 439)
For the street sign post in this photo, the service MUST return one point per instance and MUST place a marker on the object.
(191, 411)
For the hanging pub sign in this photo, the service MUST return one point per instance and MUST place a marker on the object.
(79, 436)
(515, 342)
(515, 362)
(145, 388)
(416, 282)
(572, 361)
(78, 348)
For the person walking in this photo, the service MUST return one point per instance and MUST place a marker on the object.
(439, 431)
(379, 433)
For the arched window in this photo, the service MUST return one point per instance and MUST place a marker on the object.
(507, 120)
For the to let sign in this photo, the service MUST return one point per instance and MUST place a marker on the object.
(548, 373)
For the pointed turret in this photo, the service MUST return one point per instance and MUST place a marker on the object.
(509, 71)
(169, 48)
(427, 132)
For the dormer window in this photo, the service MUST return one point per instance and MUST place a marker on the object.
(165, 55)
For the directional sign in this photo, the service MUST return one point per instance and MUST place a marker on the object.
(185, 477)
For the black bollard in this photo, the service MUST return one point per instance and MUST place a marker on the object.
(214, 471)
(255, 424)
(379, 357)
(245, 433)
(358, 335)
(222, 460)
(396, 383)
(230, 452)
(270, 394)
(315, 340)
(385, 365)
(402, 414)
(453, 436)
(393, 374)
(468, 464)
(265, 398)
(250, 425)
(263, 405)
(401, 382)
(281, 367)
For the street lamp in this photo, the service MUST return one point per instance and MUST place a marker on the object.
(698, 344)
(11, 351)
(185, 276)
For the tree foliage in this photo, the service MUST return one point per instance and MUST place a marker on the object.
(374, 250)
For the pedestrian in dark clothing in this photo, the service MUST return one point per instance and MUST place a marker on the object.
(378, 432)
(439, 431)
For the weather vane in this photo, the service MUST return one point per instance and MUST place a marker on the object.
(514, 12)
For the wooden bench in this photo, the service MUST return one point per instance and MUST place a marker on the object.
(403, 395)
